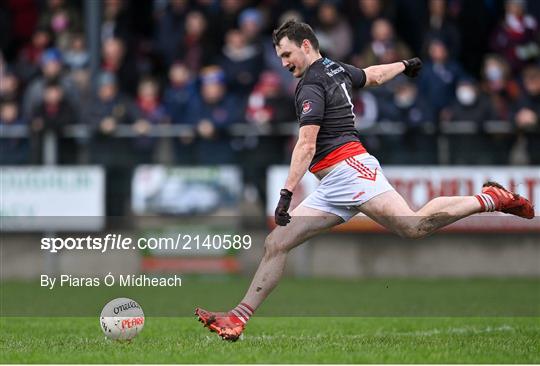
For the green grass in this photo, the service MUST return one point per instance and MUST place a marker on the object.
(278, 340)
(480, 297)
(304, 321)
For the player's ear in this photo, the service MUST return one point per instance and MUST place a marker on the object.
(306, 44)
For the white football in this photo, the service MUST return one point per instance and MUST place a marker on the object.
(122, 319)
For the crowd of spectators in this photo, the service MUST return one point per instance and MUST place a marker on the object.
(209, 64)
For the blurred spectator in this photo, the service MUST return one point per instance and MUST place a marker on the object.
(179, 94)
(362, 15)
(196, 49)
(408, 107)
(169, 28)
(308, 10)
(29, 57)
(215, 112)
(77, 59)
(62, 20)
(272, 62)
(384, 48)
(268, 104)
(366, 115)
(76, 55)
(441, 26)
(439, 76)
(116, 22)
(53, 113)
(179, 97)
(227, 18)
(498, 84)
(471, 104)
(530, 99)
(333, 32)
(242, 63)
(366, 108)
(517, 37)
(9, 87)
(147, 111)
(477, 147)
(107, 109)
(527, 112)
(51, 69)
(103, 114)
(114, 61)
(250, 22)
(12, 150)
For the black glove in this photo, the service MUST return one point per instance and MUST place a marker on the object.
(412, 67)
(281, 216)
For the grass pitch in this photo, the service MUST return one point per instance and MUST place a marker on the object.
(278, 340)
(508, 334)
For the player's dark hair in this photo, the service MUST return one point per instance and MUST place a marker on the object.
(296, 32)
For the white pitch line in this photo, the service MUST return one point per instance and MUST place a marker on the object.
(465, 330)
(424, 333)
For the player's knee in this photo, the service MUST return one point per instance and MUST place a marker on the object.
(273, 245)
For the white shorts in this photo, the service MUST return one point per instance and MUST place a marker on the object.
(350, 184)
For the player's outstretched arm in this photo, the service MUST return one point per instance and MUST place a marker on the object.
(380, 74)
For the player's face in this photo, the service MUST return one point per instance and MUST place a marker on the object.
(293, 58)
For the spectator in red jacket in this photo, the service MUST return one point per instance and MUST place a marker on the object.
(516, 38)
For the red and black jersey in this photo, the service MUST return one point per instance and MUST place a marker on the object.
(323, 98)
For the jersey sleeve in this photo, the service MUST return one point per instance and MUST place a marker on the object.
(310, 103)
(358, 76)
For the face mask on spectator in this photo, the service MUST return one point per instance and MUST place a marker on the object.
(494, 73)
(466, 95)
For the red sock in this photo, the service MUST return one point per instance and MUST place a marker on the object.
(242, 312)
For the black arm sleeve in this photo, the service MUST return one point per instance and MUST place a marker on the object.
(358, 76)
(310, 103)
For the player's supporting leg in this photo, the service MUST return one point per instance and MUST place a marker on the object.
(306, 222)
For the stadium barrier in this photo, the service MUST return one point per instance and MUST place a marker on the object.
(446, 141)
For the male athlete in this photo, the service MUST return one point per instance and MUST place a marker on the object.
(351, 180)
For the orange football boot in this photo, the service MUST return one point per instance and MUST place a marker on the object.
(508, 202)
(226, 325)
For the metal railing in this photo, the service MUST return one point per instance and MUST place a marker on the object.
(445, 131)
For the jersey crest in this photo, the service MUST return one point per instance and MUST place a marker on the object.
(306, 107)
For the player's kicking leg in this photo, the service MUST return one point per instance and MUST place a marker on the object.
(305, 223)
(390, 210)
